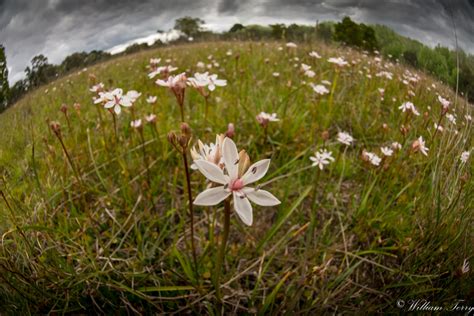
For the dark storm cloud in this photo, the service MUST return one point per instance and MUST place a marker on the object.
(57, 28)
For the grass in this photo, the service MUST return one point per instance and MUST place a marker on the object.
(352, 237)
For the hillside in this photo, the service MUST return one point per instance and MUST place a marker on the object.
(95, 212)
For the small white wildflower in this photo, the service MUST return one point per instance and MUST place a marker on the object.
(320, 89)
(321, 158)
(465, 156)
(151, 99)
(314, 55)
(408, 106)
(338, 61)
(419, 144)
(372, 158)
(387, 151)
(345, 138)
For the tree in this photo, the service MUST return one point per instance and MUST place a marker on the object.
(40, 72)
(188, 25)
(324, 31)
(278, 30)
(353, 34)
(236, 27)
(4, 87)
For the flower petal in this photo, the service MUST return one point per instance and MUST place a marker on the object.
(211, 171)
(256, 171)
(261, 197)
(231, 157)
(211, 196)
(117, 109)
(109, 104)
(126, 101)
(243, 208)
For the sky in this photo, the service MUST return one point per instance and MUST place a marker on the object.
(57, 28)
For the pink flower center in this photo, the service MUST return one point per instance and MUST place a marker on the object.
(236, 185)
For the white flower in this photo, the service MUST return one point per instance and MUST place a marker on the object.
(451, 118)
(386, 74)
(200, 64)
(314, 54)
(213, 82)
(468, 117)
(136, 123)
(465, 156)
(438, 127)
(373, 158)
(201, 80)
(345, 138)
(162, 69)
(419, 144)
(276, 74)
(291, 45)
(408, 106)
(305, 67)
(387, 151)
(211, 153)
(151, 99)
(338, 61)
(396, 146)
(150, 118)
(307, 71)
(326, 82)
(96, 88)
(229, 53)
(115, 99)
(445, 103)
(155, 61)
(465, 267)
(320, 89)
(231, 183)
(173, 82)
(101, 98)
(321, 158)
(264, 118)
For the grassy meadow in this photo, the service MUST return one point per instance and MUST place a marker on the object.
(106, 228)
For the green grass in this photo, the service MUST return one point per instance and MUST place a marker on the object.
(348, 238)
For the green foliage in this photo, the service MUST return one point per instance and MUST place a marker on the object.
(353, 34)
(4, 86)
(189, 25)
(82, 59)
(278, 30)
(236, 27)
(325, 31)
(40, 71)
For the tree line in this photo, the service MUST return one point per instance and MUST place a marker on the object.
(440, 61)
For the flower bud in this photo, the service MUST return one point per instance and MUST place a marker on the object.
(55, 127)
(172, 138)
(325, 135)
(63, 108)
(230, 130)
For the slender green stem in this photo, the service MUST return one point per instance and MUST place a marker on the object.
(206, 109)
(221, 254)
(191, 211)
(71, 163)
(115, 127)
